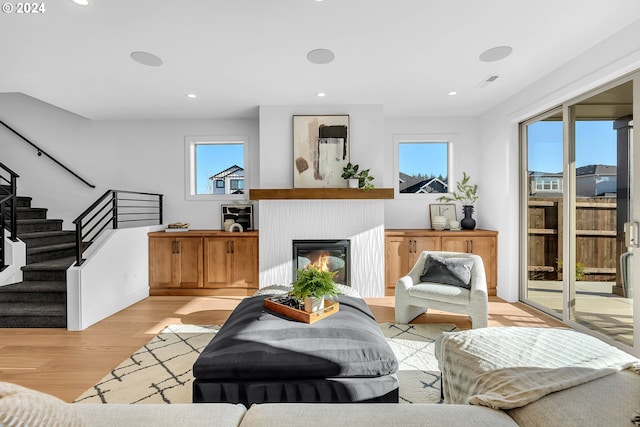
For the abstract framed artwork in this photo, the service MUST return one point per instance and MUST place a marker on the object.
(320, 151)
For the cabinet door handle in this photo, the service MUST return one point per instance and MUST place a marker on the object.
(471, 246)
(173, 247)
(228, 246)
(178, 247)
(233, 247)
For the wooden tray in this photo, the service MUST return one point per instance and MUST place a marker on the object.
(330, 307)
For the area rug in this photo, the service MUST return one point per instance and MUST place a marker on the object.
(160, 372)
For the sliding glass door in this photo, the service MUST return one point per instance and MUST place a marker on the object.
(579, 215)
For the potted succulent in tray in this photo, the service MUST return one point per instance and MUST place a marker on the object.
(312, 286)
(467, 195)
(357, 178)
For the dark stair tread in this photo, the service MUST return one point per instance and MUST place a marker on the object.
(39, 234)
(27, 208)
(54, 264)
(25, 309)
(35, 286)
(36, 221)
(49, 248)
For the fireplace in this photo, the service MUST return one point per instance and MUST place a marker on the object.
(332, 255)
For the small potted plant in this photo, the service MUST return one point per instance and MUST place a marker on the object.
(467, 195)
(357, 178)
(312, 286)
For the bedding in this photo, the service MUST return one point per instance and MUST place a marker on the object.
(343, 357)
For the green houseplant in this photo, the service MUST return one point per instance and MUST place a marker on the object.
(352, 172)
(312, 286)
(467, 195)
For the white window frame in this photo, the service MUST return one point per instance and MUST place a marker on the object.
(190, 143)
(449, 139)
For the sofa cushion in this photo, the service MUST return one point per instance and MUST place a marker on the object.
(607, 401)
(21, 406)
(455, 271)
(367, 414)
(437, 292)
(160, 415)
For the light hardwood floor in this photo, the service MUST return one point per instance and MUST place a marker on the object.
(66, 364)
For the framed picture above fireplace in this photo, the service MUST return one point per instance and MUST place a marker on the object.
(320, 151)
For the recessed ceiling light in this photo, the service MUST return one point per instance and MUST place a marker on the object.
(321, 94)
(453, 92)
(146, 58)
(496, 53)
(320, 56)
(81, 2)
(191, 95)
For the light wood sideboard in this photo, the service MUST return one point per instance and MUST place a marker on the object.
(402, 248)
(203, 262)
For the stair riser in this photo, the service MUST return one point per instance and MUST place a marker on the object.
(33, 321)
(33, 297)
(44, 275)
(46, 256)
(40, 226)
(32, 214)
(23, 202)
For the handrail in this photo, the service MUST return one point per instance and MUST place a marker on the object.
(40, 152)
(11, 199)
(111, 210)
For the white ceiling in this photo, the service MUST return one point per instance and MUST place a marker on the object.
(239, 54)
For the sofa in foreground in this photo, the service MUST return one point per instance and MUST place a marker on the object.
(608, 401)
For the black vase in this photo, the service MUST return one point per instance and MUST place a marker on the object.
(468, 223)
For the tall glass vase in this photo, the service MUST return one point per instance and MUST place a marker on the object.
(468, 223)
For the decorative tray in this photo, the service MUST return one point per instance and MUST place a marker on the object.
(330, 307)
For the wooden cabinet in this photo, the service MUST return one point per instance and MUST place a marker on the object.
(231, 262)
(402, 248)
(175, 262)
(203, 263)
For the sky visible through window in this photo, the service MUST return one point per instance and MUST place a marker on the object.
(595, 145)
(213, 158)
(426, 158)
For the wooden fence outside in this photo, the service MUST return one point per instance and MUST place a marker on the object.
(597, 244)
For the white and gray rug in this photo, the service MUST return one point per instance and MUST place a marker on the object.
(160, 372)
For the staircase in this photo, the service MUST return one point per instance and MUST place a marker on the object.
(40, 301)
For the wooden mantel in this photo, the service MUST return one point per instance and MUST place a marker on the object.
(319, 193)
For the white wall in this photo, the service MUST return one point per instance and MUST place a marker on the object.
(414, 212)
(498, 137)
(142, 155)
(112, 278)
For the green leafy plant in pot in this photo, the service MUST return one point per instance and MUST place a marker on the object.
(312, 286)
(467, 195)
(357, 178)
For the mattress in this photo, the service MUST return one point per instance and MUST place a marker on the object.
(259, 356)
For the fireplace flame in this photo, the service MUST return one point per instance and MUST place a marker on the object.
(322, 262)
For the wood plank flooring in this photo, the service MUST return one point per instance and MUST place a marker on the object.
(65, 363)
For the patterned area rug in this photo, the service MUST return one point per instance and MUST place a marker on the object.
(160, 372)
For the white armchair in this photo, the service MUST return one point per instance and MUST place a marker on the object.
(414, 297)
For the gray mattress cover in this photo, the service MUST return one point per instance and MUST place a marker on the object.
(255, 344)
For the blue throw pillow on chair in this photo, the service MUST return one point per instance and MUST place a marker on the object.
(448, 271)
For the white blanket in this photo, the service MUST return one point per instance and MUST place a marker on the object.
(505, 368)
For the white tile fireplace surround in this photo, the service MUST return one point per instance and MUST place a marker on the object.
(361, 221)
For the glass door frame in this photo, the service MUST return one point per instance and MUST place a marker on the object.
(567, 315)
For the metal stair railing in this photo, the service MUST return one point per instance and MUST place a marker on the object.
(8, 204)
(113, 209)
(40, 152)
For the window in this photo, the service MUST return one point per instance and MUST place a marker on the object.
(215, 167)
(422, 165)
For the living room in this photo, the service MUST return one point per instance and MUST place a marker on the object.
(136, 146)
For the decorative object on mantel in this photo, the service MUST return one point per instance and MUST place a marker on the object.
(177, 227)
(467, 195)
(320, 150)
(313, 284)
(447, 211)
(356, 178)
